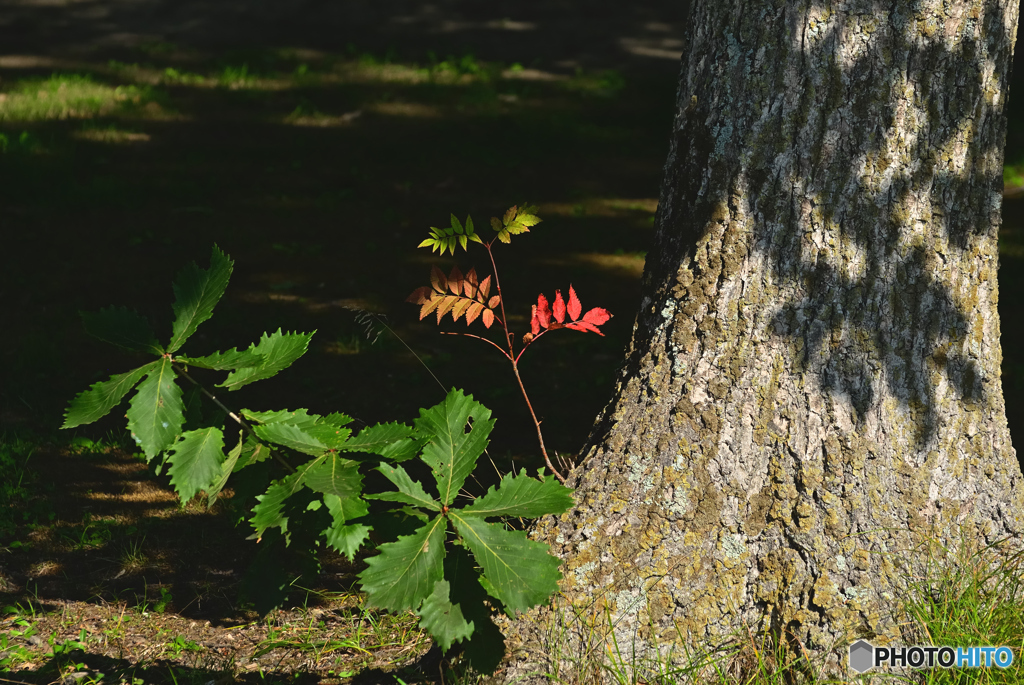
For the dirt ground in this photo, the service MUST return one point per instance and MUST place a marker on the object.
(315, 142)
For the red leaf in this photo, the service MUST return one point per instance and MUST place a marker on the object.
(543, 311)
(597, 316)
(420, 295)
(485, 288)
(488, 317)
(574, 304)
(534, 322)
(584, 326)
(455, 280)
(558, 309)
(437, 279)
(493, 302)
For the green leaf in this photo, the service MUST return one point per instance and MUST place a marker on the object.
(226, 469)
(196, 292)
(337, 419)
(300, 417)
(224, 361)
(456, 226)
(156, 412)
(122, 327)
(520, 571)
(522, 496)
(409, 491)
(403, 574)
(269, 513)
(345, 537)
(335, 476)
(393, 441)
(292, 436)
(442, 619)
(195, 461)
(279, 350)
(332, 436)
(451, 452)
(96, 402)
(470, 231)
(253, 452)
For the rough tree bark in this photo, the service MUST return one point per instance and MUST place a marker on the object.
(813, 385)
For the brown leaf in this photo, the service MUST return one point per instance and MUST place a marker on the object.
(471, 284)
(494, 302)
(527, 338)
(420, 295)
(438, 280)
(446, 304)
(460, 307)
(485, 288)
(430, 305)
(455, 280)
(488, 317)
(473, 312)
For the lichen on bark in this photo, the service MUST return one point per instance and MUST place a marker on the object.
(811, 400)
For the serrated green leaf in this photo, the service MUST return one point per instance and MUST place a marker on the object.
(403, 574)
(196, 292)
(393, 441)
(520, 571)
(476, 238)
(456, 226)
(253, 452)
(195, 461)
(522, 496)
(279, 351)
(335, 476)
(156, 412)
(426, 243)
(300, 417)
(269, 513)
(96, 402)
(292, 436)
(442, 619)
(451, 452)
(337, 419)
(226, 469)
(469, 225)
(409, 491)
(346, 509)
(347, 538)
(504, 236)
(332, 436)
(224, 361)
(123, 327)
(496, 224)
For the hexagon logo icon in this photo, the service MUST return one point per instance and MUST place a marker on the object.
(861, 656)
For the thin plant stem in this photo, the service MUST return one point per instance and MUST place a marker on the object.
(392, 332)
(501, 301)
(478, 337)
(540, 436)
(241, 422)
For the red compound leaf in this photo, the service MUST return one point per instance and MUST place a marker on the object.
(552, 317)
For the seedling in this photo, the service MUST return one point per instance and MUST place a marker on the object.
(468, 295)
(451, 568)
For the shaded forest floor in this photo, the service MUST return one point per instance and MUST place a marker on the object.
(318, 172)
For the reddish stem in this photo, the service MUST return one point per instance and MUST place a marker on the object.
(540, 436)
(479, 337)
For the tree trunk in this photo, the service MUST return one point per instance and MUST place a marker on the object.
(813, 386)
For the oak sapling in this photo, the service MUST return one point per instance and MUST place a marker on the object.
(452, 569)
(470, 297)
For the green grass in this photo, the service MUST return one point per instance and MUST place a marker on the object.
(67, 96)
